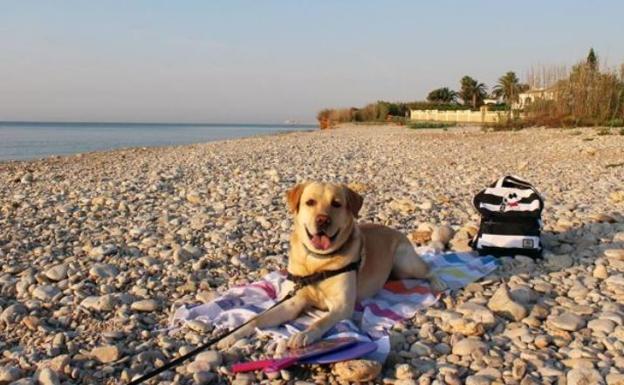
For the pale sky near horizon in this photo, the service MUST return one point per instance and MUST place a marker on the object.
(268, 61)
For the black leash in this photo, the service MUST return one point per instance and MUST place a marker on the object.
(300, 283)
(305, 280)
(213, 341)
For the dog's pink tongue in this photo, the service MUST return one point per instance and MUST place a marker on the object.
(321, 242)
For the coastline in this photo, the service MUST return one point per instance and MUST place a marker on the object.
(38, 140)
(98, 249)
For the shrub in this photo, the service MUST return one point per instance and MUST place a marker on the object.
(421, 125)
(399, 120)
(436, 106)
(616, 122)
(498, 107)
(506, 125)
(584, 96)
(380, 111)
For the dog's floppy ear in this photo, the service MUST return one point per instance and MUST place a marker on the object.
(293, 196)
(354, 201)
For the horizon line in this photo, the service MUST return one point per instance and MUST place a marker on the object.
(153, 123)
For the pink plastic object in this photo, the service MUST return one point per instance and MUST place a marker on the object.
(251, 365)
(295, 355)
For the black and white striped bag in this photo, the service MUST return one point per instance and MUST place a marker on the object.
(511, 210)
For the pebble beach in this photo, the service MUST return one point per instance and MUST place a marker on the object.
(97, 250)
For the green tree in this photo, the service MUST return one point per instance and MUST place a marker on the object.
(383, 110)
(442, 95)
(509, 87)
(592, 60)
(472, 92)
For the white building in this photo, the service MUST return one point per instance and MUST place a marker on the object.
(530, 96)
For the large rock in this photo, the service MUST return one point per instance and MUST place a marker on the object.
(103, 270)
(205, 362)
(420, 349)
(102, 251)
(405, 372)
(100, 303)
(204, 378)
(442, 234)
(523, 295)
(600, 272)
(57, 273)
(463, 326)
(106, 354)
(584, 376)
(57, 364)
(578, 290)
(617, 254)
(13, 313)
(27, 178)
(48, 377)
(9, 374)
(145, 305)
(518, 368)
(568, 321)
(193, 197)
(469, 345)
(557, 262)
(46, 293)
(477, 379)
(601, 325)
(615, 281)
(615, 379)
(357, 370)
(405, 206)
(98, 201)
(501, 303)
(617, 196)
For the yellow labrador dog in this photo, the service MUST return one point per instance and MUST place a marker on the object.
(327, 237)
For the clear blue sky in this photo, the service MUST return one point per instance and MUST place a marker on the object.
(267, 61)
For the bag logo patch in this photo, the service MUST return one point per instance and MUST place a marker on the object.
(510, 200)
(527, 243)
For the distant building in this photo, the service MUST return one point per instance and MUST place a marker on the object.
(526, 98)
(490, 101)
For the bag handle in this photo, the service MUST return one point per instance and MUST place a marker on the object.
(500, 181)
(517, 180)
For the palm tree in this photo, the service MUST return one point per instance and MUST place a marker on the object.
(442, 95)
(472, 91)
(508, 87)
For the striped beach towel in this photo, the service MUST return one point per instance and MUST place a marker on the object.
(373, 317)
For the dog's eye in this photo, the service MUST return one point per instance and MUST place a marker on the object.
(310, 202)
(336, 204)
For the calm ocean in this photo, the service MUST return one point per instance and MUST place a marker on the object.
(38, 140)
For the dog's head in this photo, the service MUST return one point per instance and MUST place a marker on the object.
(324, 214)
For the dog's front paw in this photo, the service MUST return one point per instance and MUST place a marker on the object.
(302, 339)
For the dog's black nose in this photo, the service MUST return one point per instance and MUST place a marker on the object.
(322, 221)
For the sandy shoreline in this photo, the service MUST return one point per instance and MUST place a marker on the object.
(98, 249)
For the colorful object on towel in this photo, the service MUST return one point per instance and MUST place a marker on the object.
(373, 317)
(356, 351)
(296, 355)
